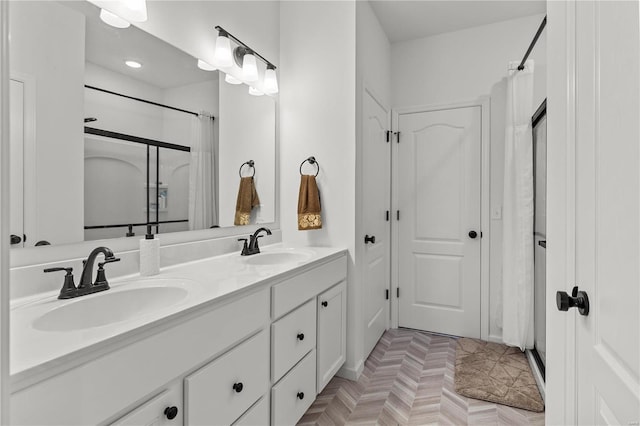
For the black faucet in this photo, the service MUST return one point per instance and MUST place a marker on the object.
(69, 290)
(252, 247)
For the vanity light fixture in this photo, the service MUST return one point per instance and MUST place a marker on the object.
(133, 64)
(249, 65)
(270, 84)
(231, 79)
(255, 92)
(246, 58)
(113, 19)
(127, 10)
(222, 55)
(205, 66)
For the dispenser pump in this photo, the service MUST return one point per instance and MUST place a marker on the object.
(149, 254)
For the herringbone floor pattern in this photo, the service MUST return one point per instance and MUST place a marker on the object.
(408, 380)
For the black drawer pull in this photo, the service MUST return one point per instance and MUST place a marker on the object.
(300, 395)
(238, 387)
(171, 412)
(300, 336)
(325, 303)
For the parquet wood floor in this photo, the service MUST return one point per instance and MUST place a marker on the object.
(408, 380)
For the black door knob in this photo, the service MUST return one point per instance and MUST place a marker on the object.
(473, 234)
(15, 239)
(300, 395)
(578, 299)
(238, 387)
(171, 412)
(370, 239)
(301, 336)
(325, 303)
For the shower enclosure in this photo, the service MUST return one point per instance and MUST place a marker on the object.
(539, 123)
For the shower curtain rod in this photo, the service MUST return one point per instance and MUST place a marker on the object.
(146, 101)
(533, 43)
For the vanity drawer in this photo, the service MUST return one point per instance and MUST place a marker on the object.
(287, 406)
(222, 390)
(297, 290)
(157, 410)
(257, 415)
(292, 337)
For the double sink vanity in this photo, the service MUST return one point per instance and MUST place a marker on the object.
(247, 340)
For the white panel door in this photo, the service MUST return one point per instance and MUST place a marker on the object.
(16, 197)
(439, 172)
(376, 164)
(607, 231)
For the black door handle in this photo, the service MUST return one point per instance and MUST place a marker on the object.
(473, 234)
(578, 299)
(370, 239)
(15, 239)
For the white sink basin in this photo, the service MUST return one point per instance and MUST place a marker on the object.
(112, 306)
(278, 258)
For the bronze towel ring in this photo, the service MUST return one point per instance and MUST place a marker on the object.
(249, 163)
(311, 160)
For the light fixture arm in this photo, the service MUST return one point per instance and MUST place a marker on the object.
(224, 32)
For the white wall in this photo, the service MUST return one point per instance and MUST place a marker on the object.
(47, 44)
(464, 65)
(317, 117)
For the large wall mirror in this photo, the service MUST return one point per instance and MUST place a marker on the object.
(101, 149)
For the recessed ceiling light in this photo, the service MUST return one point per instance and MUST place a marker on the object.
(133, 64)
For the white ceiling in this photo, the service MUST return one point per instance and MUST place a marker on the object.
(407, 20)
(163, 65)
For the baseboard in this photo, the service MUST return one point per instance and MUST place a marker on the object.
(351, 373)
(536, 373)
(494, 339)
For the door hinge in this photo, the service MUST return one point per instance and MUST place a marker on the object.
(397, 214)
(386, 294)
(387, 215)
(388, 135)
(397, 137)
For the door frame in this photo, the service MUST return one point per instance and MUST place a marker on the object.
(484, 102)
(560, 386)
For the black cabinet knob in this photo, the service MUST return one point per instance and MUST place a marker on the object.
(370, 239)
(238, 387)
(578, 299)
(15, 239)
(325, 303)
(300, 336)
(300, 395)
(473, 234)
(171, 412)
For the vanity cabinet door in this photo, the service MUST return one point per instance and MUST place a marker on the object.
(164, 409)
(225, 388)
(332, 333)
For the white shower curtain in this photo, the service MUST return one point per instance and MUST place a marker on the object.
(517, 247)
(202, 188)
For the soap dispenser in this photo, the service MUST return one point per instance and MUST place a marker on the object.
(149, 254)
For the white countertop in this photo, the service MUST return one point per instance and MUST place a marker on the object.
(208, 281)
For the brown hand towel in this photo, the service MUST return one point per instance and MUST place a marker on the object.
(247, 200)
(309, 204)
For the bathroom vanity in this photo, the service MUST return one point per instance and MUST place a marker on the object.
(224, 340)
